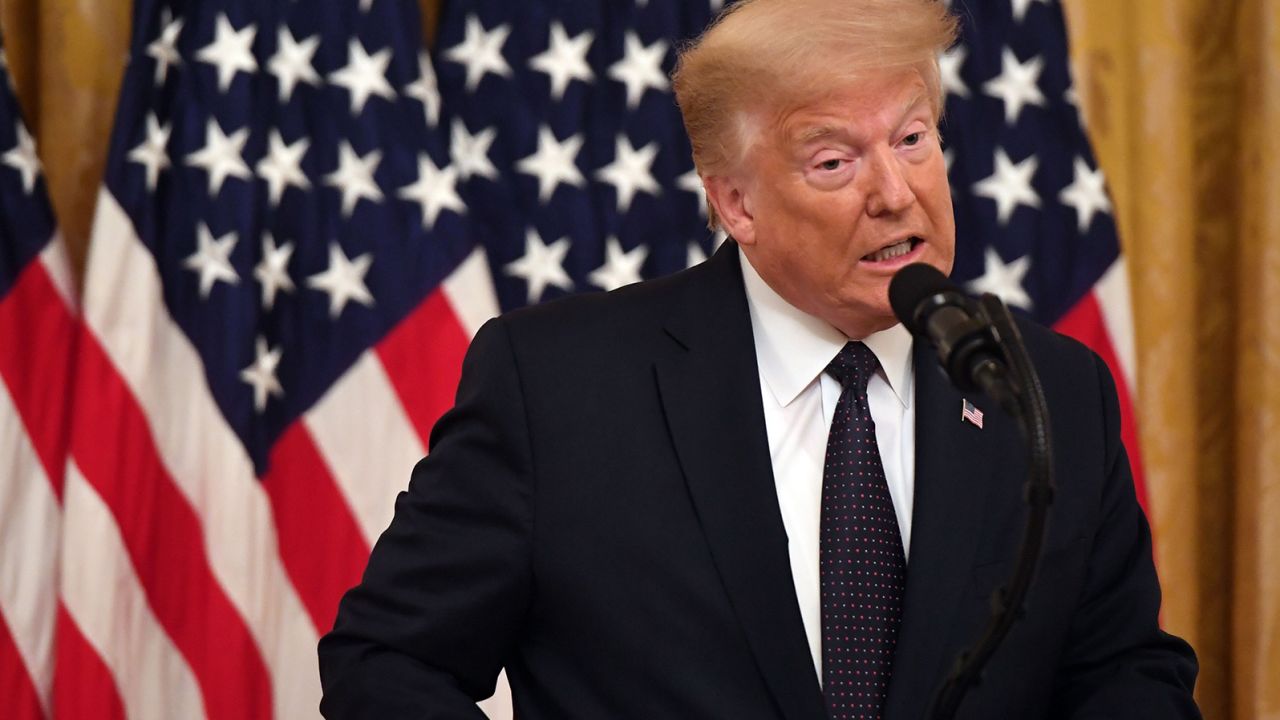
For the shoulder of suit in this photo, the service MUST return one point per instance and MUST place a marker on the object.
(632, 309)
(1064, 363)
(1046, 344)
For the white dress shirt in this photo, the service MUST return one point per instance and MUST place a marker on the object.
(793, 349)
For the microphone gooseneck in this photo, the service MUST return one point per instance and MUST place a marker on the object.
(980, 348)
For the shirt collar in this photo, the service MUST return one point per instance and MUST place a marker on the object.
(794, 347)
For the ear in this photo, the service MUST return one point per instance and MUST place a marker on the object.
(732, 201)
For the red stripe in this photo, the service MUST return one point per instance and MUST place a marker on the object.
(423, 357)
(320, 543)
(37, 335)
(20, 699)
(83, 688)
(112, 444)
(1085, 323)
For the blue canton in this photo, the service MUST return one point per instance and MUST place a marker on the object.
(278, 161)
(591, 184)
(26, 219)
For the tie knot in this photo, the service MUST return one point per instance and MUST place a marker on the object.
(854, 364)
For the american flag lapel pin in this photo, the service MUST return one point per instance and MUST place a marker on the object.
(970, 413)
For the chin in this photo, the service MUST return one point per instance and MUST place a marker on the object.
(860, 319)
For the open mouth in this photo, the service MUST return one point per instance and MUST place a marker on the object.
(893, 251)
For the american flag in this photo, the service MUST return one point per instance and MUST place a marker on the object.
(304, 218)
(282, 280)
(971, 413)
(37, 336)
(1033, 219)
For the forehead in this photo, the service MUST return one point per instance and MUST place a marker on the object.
(875, 103)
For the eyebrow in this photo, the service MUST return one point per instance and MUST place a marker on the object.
(818, 132)
(911, 101)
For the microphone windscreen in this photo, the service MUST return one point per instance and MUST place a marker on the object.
(911, 286)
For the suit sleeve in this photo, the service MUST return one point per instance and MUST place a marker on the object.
(1118, 662)
(442, 599)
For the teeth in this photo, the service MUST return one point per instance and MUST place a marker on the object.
(892, 251)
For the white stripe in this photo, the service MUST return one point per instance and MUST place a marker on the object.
(104, 596)
(29, 520)
(369, 453)
(124, 307)
(469, 290)
(371, 459)
(58, 266)
(1117, 314)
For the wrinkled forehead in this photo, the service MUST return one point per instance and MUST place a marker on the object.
(854, 108)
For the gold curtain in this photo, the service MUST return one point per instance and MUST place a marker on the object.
(1182, 98)
(67, 58)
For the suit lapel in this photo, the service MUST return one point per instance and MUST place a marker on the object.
(710, 394)
(952, 480)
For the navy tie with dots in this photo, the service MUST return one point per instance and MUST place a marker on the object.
(862, 566)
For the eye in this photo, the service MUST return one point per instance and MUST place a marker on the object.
(913, 139)
(832, 164)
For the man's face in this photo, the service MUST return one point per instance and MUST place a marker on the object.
(840, 194)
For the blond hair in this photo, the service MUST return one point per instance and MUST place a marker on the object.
(775, 55)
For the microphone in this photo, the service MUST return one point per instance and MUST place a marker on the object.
(959, 329)
(980, 348)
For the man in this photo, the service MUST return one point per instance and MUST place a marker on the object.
(743, 491)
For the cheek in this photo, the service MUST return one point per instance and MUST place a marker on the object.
(935, 189)
(813, 230)
(940, 210)
(943, 215)
(933, 192)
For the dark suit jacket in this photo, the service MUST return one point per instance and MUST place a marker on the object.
(598, 515)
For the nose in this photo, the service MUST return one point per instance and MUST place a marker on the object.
(887, 190)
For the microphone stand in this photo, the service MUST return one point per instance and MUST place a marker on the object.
(1021, 396)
